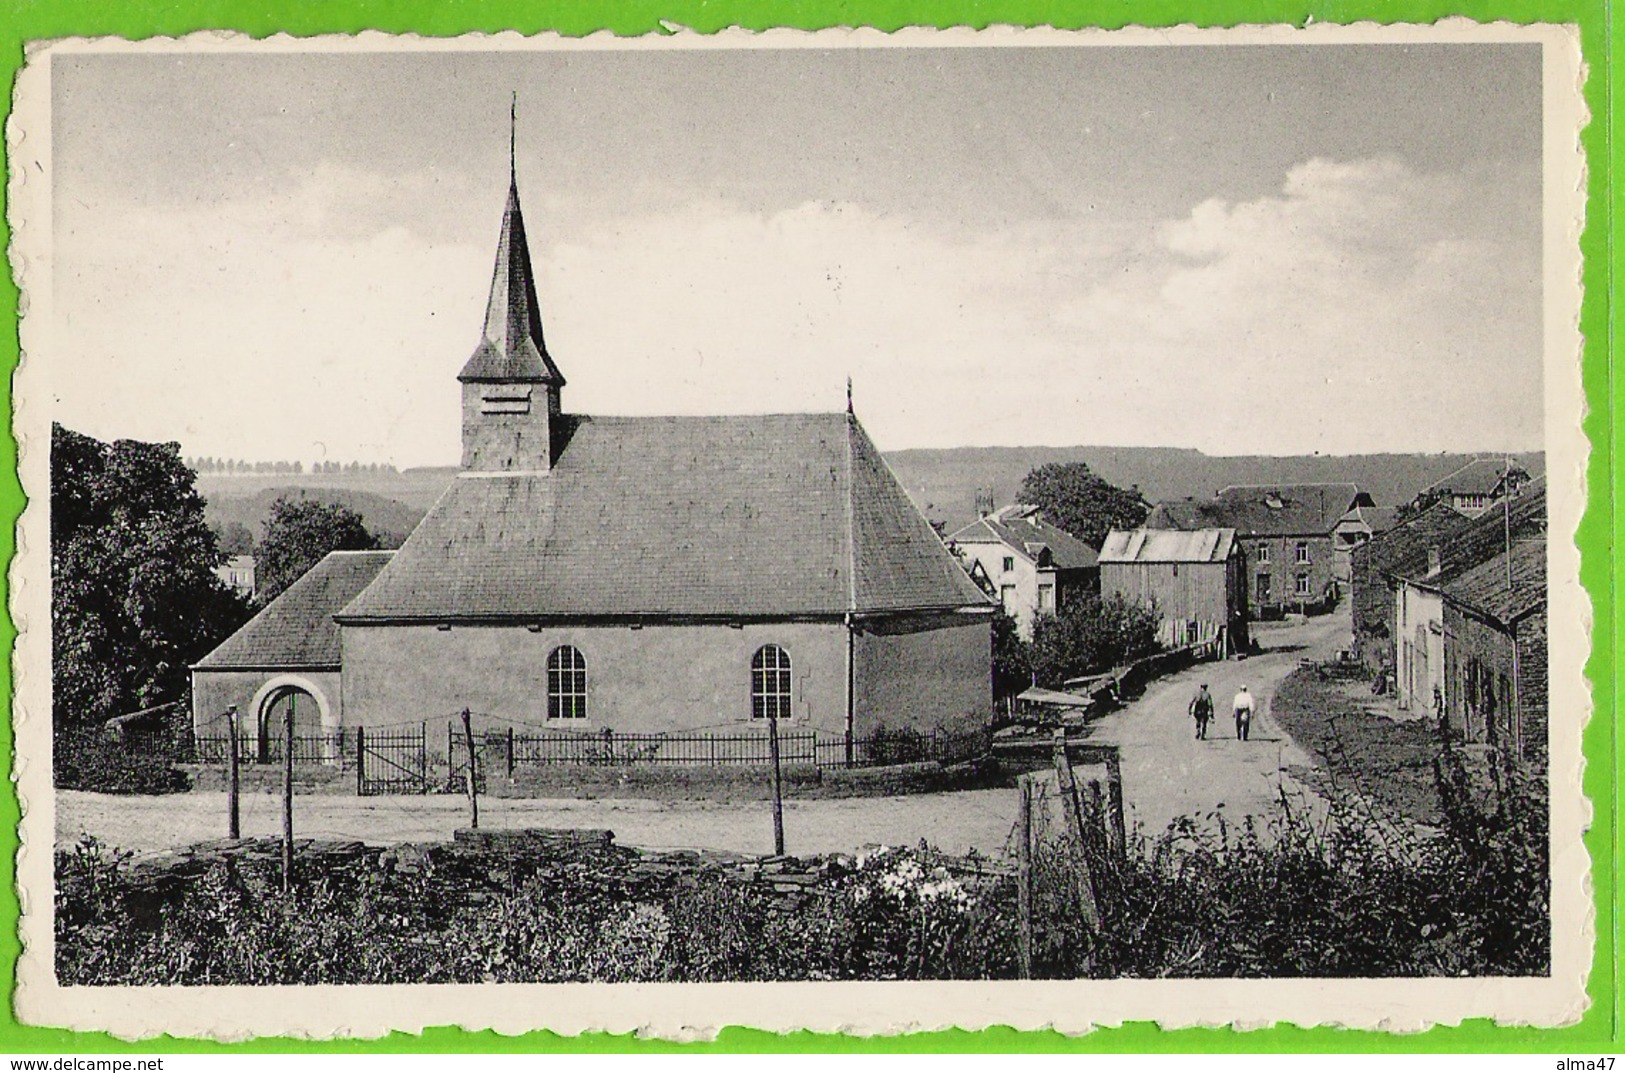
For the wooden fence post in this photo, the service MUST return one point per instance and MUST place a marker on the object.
(510, 752)
(360, 761)
(778, 799)
(1073, 811)
(234, 819)
(1024, 881)
(1114, 797)
(287, 793)
(473, 791)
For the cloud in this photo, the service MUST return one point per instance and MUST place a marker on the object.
(1365, 306)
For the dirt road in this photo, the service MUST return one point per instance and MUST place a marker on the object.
(1168, 773)
(954, 822)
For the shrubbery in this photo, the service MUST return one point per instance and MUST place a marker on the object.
(1091, 635)
(1343, 896)
(90, 760)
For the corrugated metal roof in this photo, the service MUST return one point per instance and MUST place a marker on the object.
(1168, 546)
(296, 629)
(751, 516)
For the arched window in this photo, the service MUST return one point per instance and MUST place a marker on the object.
(566, 684)
(770, 683)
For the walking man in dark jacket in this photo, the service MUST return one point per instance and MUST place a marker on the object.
(1201, 709)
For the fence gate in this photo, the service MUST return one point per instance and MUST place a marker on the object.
(392, 761)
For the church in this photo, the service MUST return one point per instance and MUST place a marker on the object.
(625, 574)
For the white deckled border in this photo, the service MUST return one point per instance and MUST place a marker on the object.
(699, 1010)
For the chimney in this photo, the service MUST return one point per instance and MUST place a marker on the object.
(1435, 563)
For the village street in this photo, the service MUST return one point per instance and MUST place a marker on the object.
(1167, 773)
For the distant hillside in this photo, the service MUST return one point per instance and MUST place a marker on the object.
(944, 482)
(390, 519)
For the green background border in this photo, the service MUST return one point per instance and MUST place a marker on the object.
(1599, 1030)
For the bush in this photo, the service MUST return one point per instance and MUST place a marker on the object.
(88, 760)
(1089, 636)
(1347, 897)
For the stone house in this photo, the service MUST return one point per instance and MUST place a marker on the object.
(1495, 652)
(1371, 590)
(1032, 567)
(633, 574)
(1420, 581)
(1194, 580)
(1293, 555)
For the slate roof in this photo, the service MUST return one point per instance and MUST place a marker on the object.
(1023, 529)
(1463, 547)
(1377, 519)
(1408, 542)
(746, 516)
(1264, 509)
(297, 629)
(511, 347)
(1484, 588)
(1168, 546)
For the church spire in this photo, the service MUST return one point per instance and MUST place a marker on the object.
(511, 347)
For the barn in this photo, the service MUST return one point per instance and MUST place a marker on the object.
(1193, 578)
(628, 574)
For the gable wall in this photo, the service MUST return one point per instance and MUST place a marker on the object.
(923, 673)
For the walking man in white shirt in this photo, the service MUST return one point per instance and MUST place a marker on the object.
(1243, 706)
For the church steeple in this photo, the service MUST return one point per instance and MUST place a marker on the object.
(511, 346)
(510, 384)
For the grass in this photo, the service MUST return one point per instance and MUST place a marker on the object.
(1366, 756)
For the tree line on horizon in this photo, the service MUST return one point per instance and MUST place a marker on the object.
(241, 467)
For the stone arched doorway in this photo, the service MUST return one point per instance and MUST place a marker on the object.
(271, 725)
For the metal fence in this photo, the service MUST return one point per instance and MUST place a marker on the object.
(321, 748)
(515, 749)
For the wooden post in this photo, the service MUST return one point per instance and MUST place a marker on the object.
(473, 791)
(1024, 881)
(1114, 798)
(510, 752)
(234, 818)
(287, 793)
(361, 761)
(1073, 812)
(778, 799)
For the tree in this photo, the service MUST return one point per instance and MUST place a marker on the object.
(1090, 636)
(236, 539)
(1012, 662)
(1072, 497)
(298, 534)
(134, 597)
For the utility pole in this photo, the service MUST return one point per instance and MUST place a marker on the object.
(234, 819)
(473, 792)
(287, 793)
(1506, 516)
(778, 797)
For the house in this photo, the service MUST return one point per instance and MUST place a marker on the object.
(627, 574)
(238, 573)
(1032, 567)
(1193, 578)
(1495, 652)
(1293, 554)
(1473, 488)
(1419, 582)
(1371, 592)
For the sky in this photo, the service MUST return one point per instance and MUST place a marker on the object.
(1242, 249)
